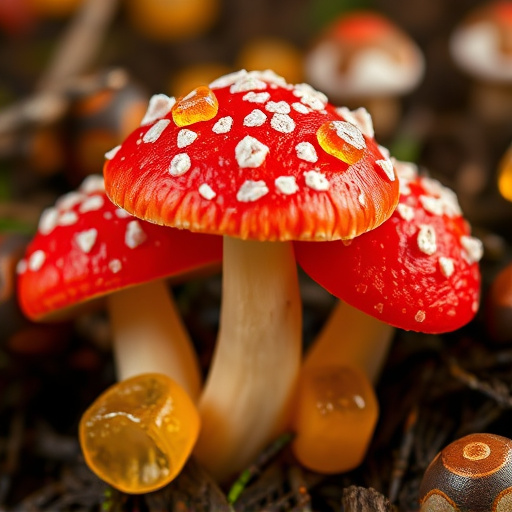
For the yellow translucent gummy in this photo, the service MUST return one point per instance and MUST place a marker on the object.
(336, 413)
(505, 176)
(139, 433)
(342, 140)
(200, 105)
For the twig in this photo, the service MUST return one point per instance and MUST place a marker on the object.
(360, 499)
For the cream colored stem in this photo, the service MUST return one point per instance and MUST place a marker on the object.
(149, 336)
(248, 393)
(354, 338)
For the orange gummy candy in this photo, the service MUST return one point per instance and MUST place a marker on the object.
(139, 433)
(336, 413)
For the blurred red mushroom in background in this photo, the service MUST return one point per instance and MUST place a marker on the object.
(482, 47)
(499, 306)
(363, 59)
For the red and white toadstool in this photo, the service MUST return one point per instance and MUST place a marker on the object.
(87, 248)
(418, 271)
(261, 162)
(363, 58)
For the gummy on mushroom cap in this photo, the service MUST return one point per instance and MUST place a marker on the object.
(418, 271)
(255, 158)
(87, 247)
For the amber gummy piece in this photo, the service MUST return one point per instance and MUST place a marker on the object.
(335, 416)
(342, 140)
(199, 105)
(139, 433)
(505, 175)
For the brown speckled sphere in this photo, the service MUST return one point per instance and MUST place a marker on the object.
(472, 474)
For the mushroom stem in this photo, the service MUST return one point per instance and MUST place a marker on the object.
(366, 345)
(251, 383)
(149, 336)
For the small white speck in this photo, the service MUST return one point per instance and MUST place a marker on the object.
(447, 266)
(21, 266)
(306, 151)
(180, 164)
(405, 211)
(427, 240)
(69, 200)
(250, 152)
(86, 239)
(93, 183)
(68, 218)
(420, 316)
(134, 235)
(91, 204)
(362, 199)
(349, 133)
(387, 167)
(252, 191)
(153, 134)
(36, 260)
(279, 107)
(473, 249)
(300, 107)
(286, 185)
(310, 97)
(379, 307)
(316, 180)
(206, 191)
(282, 123)
(257, 97)
(115, 266)
(107, 215)
(159, 106)
(122, 214)
(186, 137)
(48, 221)
(112, 153)
(223, 125)
(360, 118)
(359, 401)
(255, 118)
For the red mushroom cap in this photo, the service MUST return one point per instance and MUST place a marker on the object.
(363, 54)
(87, 247)
(418, 271)
(256, 158)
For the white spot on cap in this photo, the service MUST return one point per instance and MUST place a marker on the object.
(306, 151)
(432, 205)
(206, 191)
(248, 83)
(420, 316)
(310, 97)
(48, 221)
(255, 118)
(69, 200)
(21, 266)
(91, 204)
(68, 218)
(282, 123)
(379, 307)
(159, 106)
(387, 167)
(156, 130)
(316, 180)
(257, 97)
(93, 183)
(223, 125)
(349, 133)
(36, 260)
(384, 152)
(427, 240)
(186, 137)
(300, 107)
(86, 239)
(112, 153)
(228, 79)
(286, 185)
(134, 235)
(180, 164)
(250, 152)
(252, 191)
(447, 266)
(360, 118)
(405, 211)
(122, 214)
(279, 107)
(473, 249)
(115, 266)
